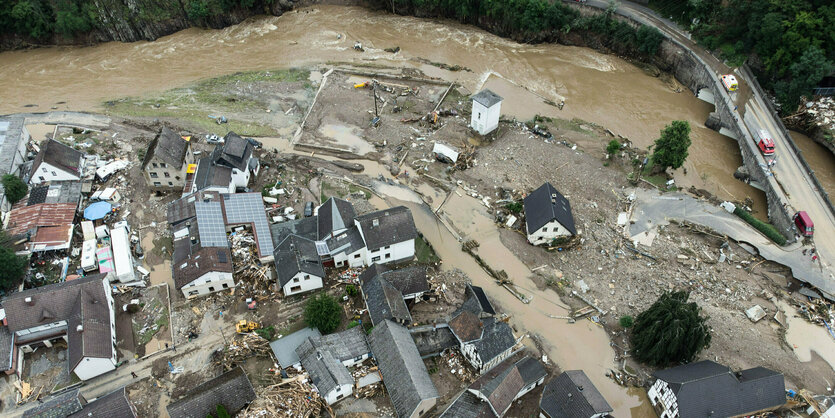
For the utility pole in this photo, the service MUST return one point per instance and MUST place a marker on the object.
(223, 335)
(374, 92)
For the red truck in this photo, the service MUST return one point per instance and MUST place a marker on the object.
(764, 142)
(804, 223)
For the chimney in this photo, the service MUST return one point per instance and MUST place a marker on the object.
(580, 388)
(79, 328)
(29, 301)
(375, 222)
(193, 240)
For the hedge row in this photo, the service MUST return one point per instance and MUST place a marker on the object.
(766, 228)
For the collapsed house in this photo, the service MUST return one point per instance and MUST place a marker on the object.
(232, 389)
(80, 312)
(572, 395)
(167, 160)
(44, 218)
(202, 259)
(547, 215)
(387, 292)
(705, 388)
(483, 339)
(493, 393)
(229, 167)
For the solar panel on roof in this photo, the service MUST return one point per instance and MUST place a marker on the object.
(210, 224)
(249, 208)
(221, 256)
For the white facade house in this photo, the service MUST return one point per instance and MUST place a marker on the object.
(662, 396)
(302, 282)
(487, 108)
(167, 160)
(298, 266)
(389, 235)
(547, 216)
(56, 162)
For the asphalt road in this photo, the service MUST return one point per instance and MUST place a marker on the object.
(795, 182)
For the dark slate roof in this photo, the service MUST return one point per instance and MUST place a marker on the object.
(169, 147)
(487, 98)
(333, 215)
(546, 204)
(483, 302)
(348, 242)
(6, 348)
(531, 370)
(706, 388)
(60, 156)
(344, 345)
(371, 272)
(392, 226)
(234, 152)
(80, 302)
(403, 371)
(325, 370)
(232, 389)
(384, 301)
(113, 405)
(408, 280)
(284, 348)
(194, 260)
(55, 192)
(466, 326)
(58, 406)
(434, 341)
(496, 339)
(572, 395)
(468, 405)
(303, 227)
(296, 254)
(209, 174)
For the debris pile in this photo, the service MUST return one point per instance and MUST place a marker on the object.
(294, 397)
(253, 278)
(240, 349)
(458, 365)
(819, 311)
(819, 113)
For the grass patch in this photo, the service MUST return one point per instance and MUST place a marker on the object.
(425, 253)
(564, 124)
(165, 241)
(766, 228)
(146, 335)
(356, 189)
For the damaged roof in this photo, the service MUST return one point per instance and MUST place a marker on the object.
(284, 348)
(546, 204)
(232, 389)
(325, 370)
(248, 209)
(234, 153)
(59, 156)
(55, 192)
(348, 242)
(404, 374)
(408, 280)
(169, 147)
(6, 348)
(209, 174)
(496, 338)
(706, 387)
(297, 255)
(387, 227)
(334, 215)
(384, 301)
(468, 405)
(345, 345)
(113, 405)
(47, 224)
(572, 394)
(303, 227)
(466, 326)
(58, 406)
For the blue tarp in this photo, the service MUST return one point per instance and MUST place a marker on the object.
(97, 210)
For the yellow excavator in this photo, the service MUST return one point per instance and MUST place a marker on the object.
(244, 327)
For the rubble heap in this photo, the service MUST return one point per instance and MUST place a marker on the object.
(294, 397)
(240, 349)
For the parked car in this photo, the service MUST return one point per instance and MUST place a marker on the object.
(308, 209)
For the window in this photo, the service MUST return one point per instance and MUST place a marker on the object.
(307, 277)
(358, 358)
(154, 175)
(357, 255)
(42, 178)
(177, 178)
(154, 165)
(340, 396)
(295, 288)
(296, 280)
(211, 288)
(339, 388)
(388, 256)
(43, 169)
(156, 183)
(162, 165)
(387, 247)
(377, 258)
(479, 115)
(192, 293)
(170, 183)
(54, 174)
(226, 285)
(166, 174)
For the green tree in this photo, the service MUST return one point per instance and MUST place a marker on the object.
(671, 147)
(805, 74)
(222, 412)
(12, 266)
(613, 147)
(670, 331)
(626, 321)
(351, 290)
(15, 188)
(323, 312)
(69, 18)
(32, 18)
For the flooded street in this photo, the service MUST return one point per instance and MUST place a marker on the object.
(598, 88)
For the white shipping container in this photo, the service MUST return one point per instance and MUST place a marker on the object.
(88, 255)
(122, 260)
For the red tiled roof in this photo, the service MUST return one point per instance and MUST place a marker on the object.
(51, 222)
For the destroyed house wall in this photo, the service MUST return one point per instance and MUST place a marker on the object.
(213, 281)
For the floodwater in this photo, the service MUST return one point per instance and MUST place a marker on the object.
(805, 337)
(160, 273)
(820, 159)
(346, 137)
(598, 88)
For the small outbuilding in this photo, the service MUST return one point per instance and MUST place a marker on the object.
(487, 107)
